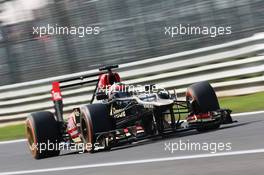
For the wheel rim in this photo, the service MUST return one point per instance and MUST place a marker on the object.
(31, 140)
(30, 136)
(84, 130)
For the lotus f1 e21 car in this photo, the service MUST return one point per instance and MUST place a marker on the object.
(120, 117)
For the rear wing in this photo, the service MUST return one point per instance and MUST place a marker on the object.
(57, 86)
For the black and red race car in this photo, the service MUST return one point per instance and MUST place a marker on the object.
(118, 115)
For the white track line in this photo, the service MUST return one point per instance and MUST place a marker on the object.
(233, 115)
(12, 141)
(247, 113)
(133, 162)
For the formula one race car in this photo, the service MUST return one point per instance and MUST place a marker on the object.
(118, 115)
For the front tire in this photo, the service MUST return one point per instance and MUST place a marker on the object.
(201, 98)
(42, 131)
(94, 119)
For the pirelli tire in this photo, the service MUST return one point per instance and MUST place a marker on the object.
(43, 135)
(201, 98)
(94, 119)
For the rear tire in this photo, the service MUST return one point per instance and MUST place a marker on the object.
(42, 129)
(94, 119)
(201, 98)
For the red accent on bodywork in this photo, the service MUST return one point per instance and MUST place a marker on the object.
(72, 129)
(118, 79)
(199, 116)
(139, 127)
(104, 80)
(55, 92)
(125, 130)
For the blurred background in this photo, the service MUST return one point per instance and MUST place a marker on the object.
(133, 30)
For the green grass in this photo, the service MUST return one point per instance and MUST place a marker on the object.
(246, 103)
(12, 132)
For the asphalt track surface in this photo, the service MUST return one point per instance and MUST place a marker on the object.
(149, 157)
